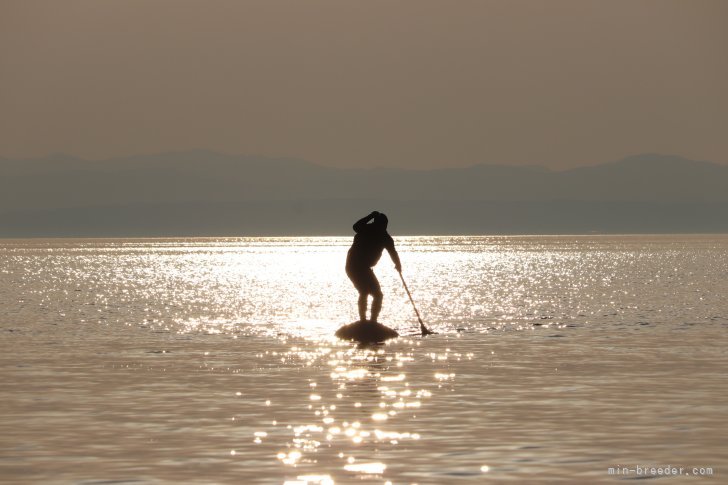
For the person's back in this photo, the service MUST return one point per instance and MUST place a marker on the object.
(369, 243)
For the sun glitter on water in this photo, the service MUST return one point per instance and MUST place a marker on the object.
(373, 380)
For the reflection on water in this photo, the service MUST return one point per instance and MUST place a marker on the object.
(358, 408)
(212, 360)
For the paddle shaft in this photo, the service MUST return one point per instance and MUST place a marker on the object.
(423, 328)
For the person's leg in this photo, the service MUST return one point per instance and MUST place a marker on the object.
(376, 292)
(377, 305)
(360, 278)
(363, 306)
(367, 284)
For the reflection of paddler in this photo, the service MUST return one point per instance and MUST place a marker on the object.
(370, 241)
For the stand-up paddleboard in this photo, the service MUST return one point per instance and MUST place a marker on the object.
(365, 331)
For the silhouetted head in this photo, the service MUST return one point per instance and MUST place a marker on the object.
(380, 222)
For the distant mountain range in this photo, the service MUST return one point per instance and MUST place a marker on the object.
(202, 193)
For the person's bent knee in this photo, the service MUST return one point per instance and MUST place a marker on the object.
(377, 294)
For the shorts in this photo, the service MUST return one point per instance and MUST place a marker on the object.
(364, 280)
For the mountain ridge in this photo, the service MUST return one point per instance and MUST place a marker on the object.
(202, 182)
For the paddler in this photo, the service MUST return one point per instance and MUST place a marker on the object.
(370, 240)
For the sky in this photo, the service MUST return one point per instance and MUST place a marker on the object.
(412, 84)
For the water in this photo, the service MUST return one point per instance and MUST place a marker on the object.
(211, 360)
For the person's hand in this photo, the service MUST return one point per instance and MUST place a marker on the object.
(374, 214)
(398, 267)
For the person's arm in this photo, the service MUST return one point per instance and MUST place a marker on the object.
(389, 246)
(359, 225)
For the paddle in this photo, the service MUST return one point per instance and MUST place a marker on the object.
(423, 329)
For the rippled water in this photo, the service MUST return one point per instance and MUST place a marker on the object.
(211, 360)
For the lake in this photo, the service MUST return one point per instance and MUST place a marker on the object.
(212, 360)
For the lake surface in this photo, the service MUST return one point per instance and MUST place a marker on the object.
(212, 360)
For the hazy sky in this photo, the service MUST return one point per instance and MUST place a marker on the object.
(367, 83)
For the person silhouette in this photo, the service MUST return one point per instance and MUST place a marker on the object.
(370, 240)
